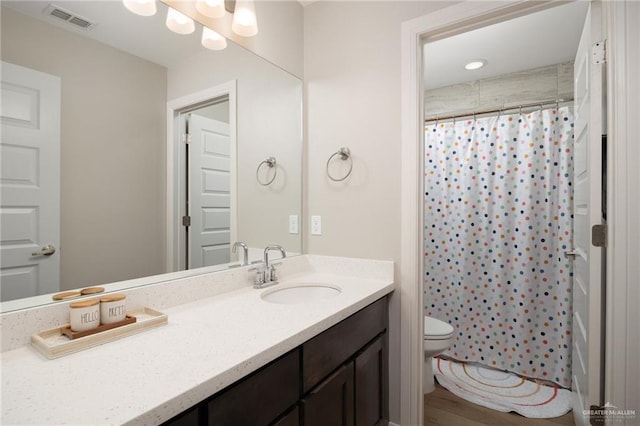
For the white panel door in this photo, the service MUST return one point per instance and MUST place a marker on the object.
(587, 266)
(210, 182)
(29, 183)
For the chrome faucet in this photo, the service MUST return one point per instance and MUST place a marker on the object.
(266, 274)
(245, 250)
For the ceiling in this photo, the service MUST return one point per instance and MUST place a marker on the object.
(543, 38)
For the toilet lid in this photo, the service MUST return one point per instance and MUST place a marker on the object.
(436, 328)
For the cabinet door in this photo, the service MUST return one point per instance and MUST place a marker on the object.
(331, 402)
(371, 384)
(290, 419)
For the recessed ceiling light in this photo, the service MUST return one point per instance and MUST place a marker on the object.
(475, 64)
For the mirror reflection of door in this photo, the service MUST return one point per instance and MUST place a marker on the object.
(30, 183)
(208, 181)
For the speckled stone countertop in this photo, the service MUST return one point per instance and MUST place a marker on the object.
(208, 344)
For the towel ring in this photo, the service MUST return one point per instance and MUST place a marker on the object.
(271, 163)
(345, 154)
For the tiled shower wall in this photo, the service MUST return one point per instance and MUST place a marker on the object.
(524, 87)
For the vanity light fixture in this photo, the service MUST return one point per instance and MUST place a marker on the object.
(212, 40)
(141, 7)
(475, 64)
(179, 23)
(244, 22)
(211, 8)
(244, 19)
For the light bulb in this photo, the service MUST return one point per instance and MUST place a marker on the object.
(211, 8)
(475, 64)
(244, 19)
(212, 40)
(141, 7)
(179, 23)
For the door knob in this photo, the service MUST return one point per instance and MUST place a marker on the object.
(47, 250)
(571, 254)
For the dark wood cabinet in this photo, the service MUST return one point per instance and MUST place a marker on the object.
(371, 388)
(260, 398)
(337, 378)
(291, 418)
(331, 402)
(327, 351)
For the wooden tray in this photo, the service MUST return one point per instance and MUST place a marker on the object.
(53, 343)
(67, 331)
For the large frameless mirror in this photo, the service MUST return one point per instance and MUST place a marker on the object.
(99, 184)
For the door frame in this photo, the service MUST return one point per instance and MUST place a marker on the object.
(175, 178)
(622, 349)
(622, 220)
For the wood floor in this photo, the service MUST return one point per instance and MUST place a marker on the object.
(442, 408)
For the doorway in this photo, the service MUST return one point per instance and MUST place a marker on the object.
(498, 186)
(201, 170)
(207, 176)
(29, 183)
(438, 25)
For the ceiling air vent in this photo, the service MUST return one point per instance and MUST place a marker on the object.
(69, 17)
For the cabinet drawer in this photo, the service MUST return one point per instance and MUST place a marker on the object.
(261, 397)
(328, 350)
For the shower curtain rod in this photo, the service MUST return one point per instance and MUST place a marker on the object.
(500, 110)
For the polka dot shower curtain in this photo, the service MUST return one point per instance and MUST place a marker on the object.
(498, 201)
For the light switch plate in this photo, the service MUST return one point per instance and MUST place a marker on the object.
(316, 225)
(293, 224)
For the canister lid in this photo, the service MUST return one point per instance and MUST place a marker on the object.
(84, 303)
(66, 295)
(92, 290)
(112, 297)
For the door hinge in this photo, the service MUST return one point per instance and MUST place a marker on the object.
(186, 138)
(599, 235)
(599, 53)
(186, 221)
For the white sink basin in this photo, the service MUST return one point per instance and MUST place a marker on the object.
(300, 293)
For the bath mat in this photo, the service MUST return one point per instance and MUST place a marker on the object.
(502, 391)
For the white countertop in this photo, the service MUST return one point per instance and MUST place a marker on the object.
(149, 377)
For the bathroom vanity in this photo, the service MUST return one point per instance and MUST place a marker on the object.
(334, 378)
(226, 356)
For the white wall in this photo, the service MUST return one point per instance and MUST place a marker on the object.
(112, 151)
(352, 94)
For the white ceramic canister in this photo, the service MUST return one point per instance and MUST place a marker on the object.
(113, 308)
(84, 315)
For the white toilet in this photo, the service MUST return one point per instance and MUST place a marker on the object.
(438, 337)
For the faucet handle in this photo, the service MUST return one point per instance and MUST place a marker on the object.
(273, 273)
(259, 278)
